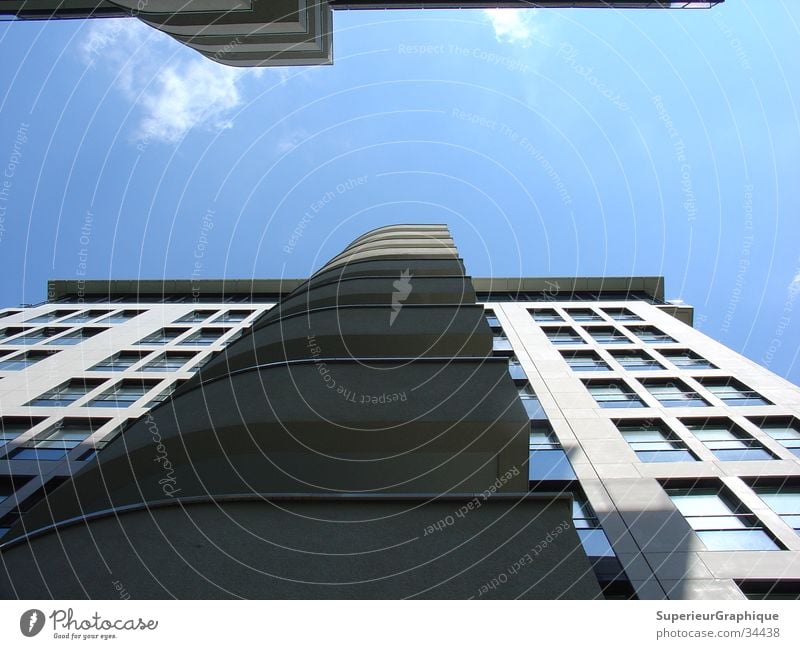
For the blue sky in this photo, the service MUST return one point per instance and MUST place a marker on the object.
(553, 142)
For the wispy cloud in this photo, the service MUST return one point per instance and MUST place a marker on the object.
(794, 285)
(516, 26)
(175, 89)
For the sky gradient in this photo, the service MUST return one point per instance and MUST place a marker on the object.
(552, 142)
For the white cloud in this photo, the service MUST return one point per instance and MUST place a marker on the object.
(175, 89)
(516, 26)
(794, 286)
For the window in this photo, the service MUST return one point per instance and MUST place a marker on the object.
(44, 318)
(733, 392)
(66, 393)
(563, 336)
(545, 315)
(613, 394)
(202, 337)
(500, 342)
(57, 441)
(33, 337)
(727, 441)
(721, 522)
(233, 316)
(6, 314)
(652, 441)
(784, 500)
(783, 430)
(548, 461)
(13, 427)
(584, 315)
(10, 332)
(593, 538)
(196, 316)
(785, 589)
(168, 362)
(648, 334)
(119, 362)
(585, 362)
(491, 319)
(608, 336)
(85, 316)
(120, 317)
(635, 360)
(162, 336)
(165, 394)
(529, 400)
(621, 315)
(672, 393)
(514, 367)
(122, 394)
(26, 359)
(76, 337)
(686, 359)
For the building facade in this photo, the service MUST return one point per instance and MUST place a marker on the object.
(247, 33)
(122, 400)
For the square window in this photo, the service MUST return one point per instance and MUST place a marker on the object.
(672, 393)
(50, 316)
(77, 336)
(784, 430)
(13, 427)
(545, 315)
(727, 441)
(563, 336)
(66, 393)
(162, 336)
(196, 316)
(733, 392)
(26, 359)
(202, 337)
(120, 317)
(652, 441)
(123, 394)
(548, 461)
(721, 522)
(636, 360)
(613, 394)
(585, 315)
(621, 315)
(784, 500)
(168, 362)
(650, 334)
(233, 316)
(608, 336)
(119, 362)
(85, 316)
(585, 362)
(686, 359)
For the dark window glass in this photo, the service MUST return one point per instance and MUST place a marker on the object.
(686, 359)
(733, 392)
(548, 461)
(585, 362)
(652, 441)
(721, 522)
(727, 441)
(673, 393)
(614, 394)
(637, 361)
(21, 361)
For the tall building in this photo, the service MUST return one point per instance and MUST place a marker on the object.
(390, 427)
(246, 33)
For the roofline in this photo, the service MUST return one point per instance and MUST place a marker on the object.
(58, 288)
